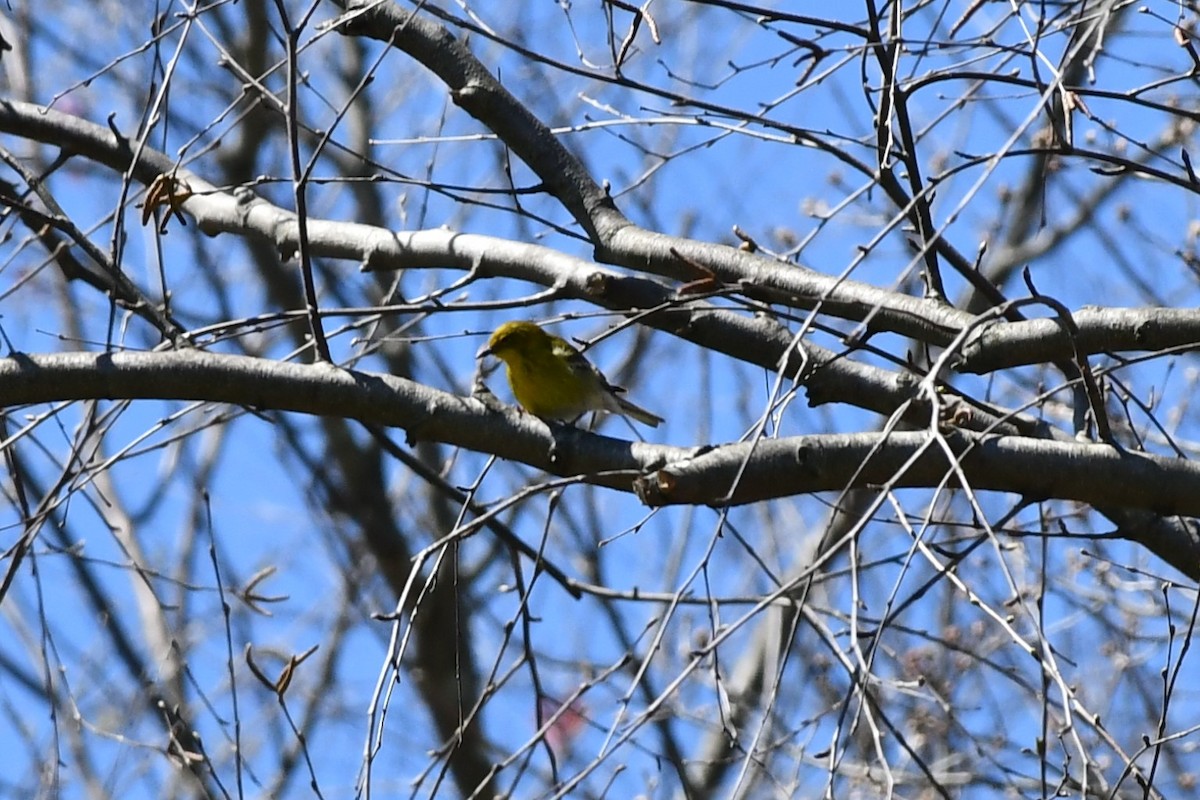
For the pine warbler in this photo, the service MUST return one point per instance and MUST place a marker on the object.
(552, 380)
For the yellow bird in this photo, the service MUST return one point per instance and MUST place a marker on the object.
(552, 380)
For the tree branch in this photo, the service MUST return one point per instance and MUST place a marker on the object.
(732, 474)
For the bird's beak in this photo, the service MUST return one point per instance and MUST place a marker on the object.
(484, 352)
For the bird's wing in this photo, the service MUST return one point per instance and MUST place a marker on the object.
(608, 396)
(578, 363)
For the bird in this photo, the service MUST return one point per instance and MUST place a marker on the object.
(552, 380)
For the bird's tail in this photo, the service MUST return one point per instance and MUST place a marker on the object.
(637, 412)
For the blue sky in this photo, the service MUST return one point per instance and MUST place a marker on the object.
(686, 179)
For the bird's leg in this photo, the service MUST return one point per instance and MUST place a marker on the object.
(555, 428)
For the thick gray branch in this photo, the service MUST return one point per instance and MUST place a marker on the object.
(617, 239)
(725, 475)
(1039, 469)
(1012, 344)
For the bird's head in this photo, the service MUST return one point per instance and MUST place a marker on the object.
(514, 337)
